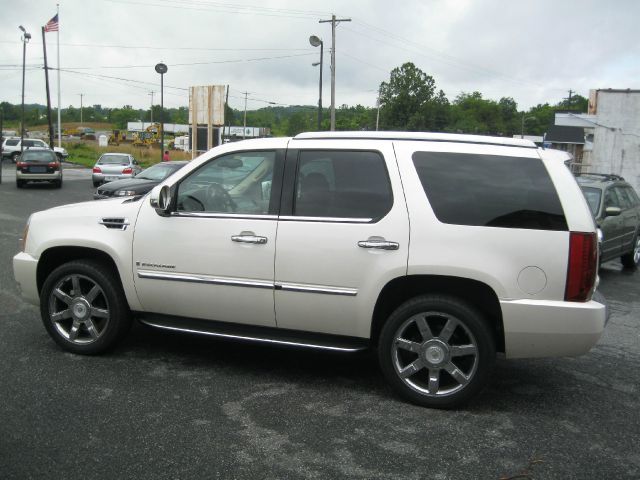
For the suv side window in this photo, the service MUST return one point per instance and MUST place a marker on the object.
(28, 143)
(12, 142)
(611, 199)
(632, 196)
(342, 184)
(236, 183)
(490, 190)
(622, 197)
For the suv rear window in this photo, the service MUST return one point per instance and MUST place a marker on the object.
(12, 142)
(114, 160)
(39, 156)
(490, 190)
(342, 184)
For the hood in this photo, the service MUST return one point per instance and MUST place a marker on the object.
(115, 207)
(141, 185)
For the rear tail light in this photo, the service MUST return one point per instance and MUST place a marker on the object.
(583, 266)
(21, 165)
(54, 165)
(127, 170)
(97, 170)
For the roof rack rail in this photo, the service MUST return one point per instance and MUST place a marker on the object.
(604, 176)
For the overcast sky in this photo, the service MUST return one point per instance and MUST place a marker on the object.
(531, 50)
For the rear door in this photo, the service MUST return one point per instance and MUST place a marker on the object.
(343, 233)
(629, 220)
(612, 227)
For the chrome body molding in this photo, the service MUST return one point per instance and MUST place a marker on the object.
(326, 290)
(250, 338)
(195, 278)
(242, 282)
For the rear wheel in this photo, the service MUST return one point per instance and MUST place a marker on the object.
(96, 184)
(14, 156)
(436, 351)
(83, 307)
(632, 258)
(57, 183)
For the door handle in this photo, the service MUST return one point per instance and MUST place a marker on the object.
(380, 244)
(249, 238)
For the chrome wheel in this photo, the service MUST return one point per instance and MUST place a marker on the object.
(79, 309)
(636, 251)
(434, 354)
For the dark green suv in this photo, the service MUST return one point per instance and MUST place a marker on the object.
(616, 208)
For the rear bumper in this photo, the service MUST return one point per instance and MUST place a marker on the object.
(24, 272)
(38, 176)
(535, 328)
(105, 177)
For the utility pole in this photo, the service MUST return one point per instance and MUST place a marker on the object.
(81, 95)
(151, 109)
(227, 120)
(569, 99)
(244, 130)
(46, 78)
(333, 22)
(378, 112)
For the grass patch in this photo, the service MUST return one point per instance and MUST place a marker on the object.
(87, 153)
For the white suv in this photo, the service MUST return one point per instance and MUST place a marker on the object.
(11, 148)
(438, 250)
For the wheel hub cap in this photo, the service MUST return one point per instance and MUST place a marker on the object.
(80, 309)
(436, 352)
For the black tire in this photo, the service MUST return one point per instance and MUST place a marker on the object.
(631, 259)
(95, 333)
(60, 158)
(19, 183)
(404, 329)
(96, 184)
(57, 183)
(14, 156)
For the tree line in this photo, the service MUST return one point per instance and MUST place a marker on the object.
(409, 101)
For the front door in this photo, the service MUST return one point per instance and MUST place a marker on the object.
(213, 257)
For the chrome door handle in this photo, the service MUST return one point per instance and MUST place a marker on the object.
(379, 244)
(249, 239)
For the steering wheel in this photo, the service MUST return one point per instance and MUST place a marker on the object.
(218, 199)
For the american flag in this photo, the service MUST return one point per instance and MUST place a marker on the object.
(52, 25)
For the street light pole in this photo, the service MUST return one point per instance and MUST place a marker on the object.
(25, 39)
(333, 22)
(161, 68)
(315, 41)
(81, 95)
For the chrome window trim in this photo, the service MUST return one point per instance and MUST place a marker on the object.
(194, 278)
(291, 218)
(224, 215)
(292, 287)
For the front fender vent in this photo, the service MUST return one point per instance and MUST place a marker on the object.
(117, 223)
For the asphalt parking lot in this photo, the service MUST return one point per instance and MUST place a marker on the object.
(175, 406)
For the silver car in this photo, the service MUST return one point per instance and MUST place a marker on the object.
(114, 166)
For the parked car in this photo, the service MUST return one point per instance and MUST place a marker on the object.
(38, 165)
(616, 208)
(114, 166)
(11, 148)
(437, 250)
(141, 184)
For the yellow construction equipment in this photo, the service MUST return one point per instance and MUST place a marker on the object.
(147, 138)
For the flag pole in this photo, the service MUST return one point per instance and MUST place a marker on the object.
(46, 77)
(58, 37)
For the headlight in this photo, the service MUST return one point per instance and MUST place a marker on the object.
(23, 239)
(124, 193)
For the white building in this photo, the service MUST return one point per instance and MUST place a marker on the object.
(614, 116)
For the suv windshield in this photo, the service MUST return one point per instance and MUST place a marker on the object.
(39, 156)
(158, 172)
(593, 198)
(114, 159)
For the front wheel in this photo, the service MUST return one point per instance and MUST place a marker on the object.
(436, 351)
(83, 307)
(632, 258)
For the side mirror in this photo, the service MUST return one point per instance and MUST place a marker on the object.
(612, 211)
(161, 199)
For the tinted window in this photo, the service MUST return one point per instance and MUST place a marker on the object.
(342, 184)
(28, 143)
(38, 156)
(236, 183)
(593, 198)
(114, 160)
(159, 171)
(611, 199)
(622, 197)
(490, 190)
(12, 142)
(632, 196)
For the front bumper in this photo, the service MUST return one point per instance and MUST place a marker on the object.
(24, 271)
(537, 328)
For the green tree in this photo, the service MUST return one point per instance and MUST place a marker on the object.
(405, 97)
